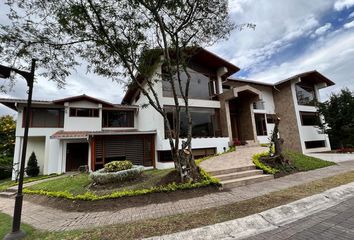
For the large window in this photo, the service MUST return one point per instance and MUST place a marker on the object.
(114, 118)
(201, 86)
(315, 144)
(84, 112)
(261, 126)
(309, 118)
(45, 117)
(205, 122)
(305, 94)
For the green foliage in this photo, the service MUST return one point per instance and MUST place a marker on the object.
(116, 166)
(103, 177)
(260, 165)
(7, 135)
(32, 169)
(5, 167)
(305, 163)
(338, 112)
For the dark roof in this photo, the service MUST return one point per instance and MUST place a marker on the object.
(12, 102)
(201, 56)
(85, 134)
(310, 76)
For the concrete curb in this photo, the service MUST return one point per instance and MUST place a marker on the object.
(269, 219)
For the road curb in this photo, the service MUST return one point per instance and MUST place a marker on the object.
(267, 220)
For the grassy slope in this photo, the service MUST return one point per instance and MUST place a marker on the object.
(6, 183)
(167, 225)
(306, 163)
(6, 223)
(78, 184)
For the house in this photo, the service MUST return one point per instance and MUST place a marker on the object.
(82, 130)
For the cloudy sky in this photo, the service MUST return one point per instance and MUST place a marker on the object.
(290, 37)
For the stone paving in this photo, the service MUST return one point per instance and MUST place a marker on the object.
(240, 158)
(47, 218)
(336, 222)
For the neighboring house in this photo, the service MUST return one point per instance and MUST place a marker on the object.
(82, 130)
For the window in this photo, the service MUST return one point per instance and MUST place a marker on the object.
(202, 85)
(315, 144)
(305, 94)
(271, 118)
(83, 112)
(261, 126)
(258, 105)
(205, 122)
(309, 118)
(114, 118)
(45, 117)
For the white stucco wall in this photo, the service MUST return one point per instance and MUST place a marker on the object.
(36, 145)
(308, 133)
(82, 123)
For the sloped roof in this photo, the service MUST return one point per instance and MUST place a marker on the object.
(85, 134)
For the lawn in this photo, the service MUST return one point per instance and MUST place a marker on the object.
(81, 183)
(166, 225)
(6, 223)
(298, 163)
(6, 183)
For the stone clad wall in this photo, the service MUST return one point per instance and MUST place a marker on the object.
(285, 109)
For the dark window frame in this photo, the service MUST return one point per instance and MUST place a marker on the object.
(271, 118)
(92, 112)
(105, 118)
(60, 117)
(315, 144)
(264, 124)
(316, 122)
(309, 88)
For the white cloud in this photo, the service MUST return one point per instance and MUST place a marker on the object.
(322, 30)
(339, 5)
(351, 15)
(349, 24)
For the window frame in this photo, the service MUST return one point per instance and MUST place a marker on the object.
(131, 121)
(304, 85)
(92, 112)
(264, 124)
(316, 114)
(60, 118)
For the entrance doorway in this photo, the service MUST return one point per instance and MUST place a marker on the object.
(76, 156)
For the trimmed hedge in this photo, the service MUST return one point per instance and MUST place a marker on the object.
(89, 196)
(260, 165)
(103, 177)
(116, 166)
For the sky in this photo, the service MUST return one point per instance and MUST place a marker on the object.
(290, 37)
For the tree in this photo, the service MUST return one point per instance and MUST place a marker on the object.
(7, 136)
(122, 40)
(338, 113)
(32, 168)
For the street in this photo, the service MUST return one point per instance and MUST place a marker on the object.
(334, 223)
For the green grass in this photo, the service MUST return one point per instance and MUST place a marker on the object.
(305, 163)
(6, 183)
(6, 224)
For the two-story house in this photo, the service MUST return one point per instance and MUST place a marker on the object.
(82, 130)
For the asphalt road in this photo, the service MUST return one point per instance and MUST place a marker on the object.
(333, 223)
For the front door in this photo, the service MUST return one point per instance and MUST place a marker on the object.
(76, 156)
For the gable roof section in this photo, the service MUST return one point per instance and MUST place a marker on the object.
(310, 76)
(83, 97)
(202, 56)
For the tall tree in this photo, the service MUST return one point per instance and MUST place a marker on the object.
(122, 40)
(338, 114)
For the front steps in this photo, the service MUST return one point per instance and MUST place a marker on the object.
(240, 176)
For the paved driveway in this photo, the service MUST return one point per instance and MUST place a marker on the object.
(240, 158)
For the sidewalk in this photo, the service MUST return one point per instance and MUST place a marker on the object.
(47, 218)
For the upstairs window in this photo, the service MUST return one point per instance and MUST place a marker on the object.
(261, 125)
(83, 112)
(45, 118)
(310, 118)
(305, 94)
(114, 118)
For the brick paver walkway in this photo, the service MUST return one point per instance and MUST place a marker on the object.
(333, 223)
(53, 219)
(240, 158)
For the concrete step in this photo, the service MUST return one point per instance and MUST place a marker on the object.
(7, 194)
(232, 170)
(246, 180)
(235, 175)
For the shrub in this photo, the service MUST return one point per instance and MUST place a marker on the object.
(5, 167)
(103, 177)
(116, 166)
(260, 165)
(32, 169)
